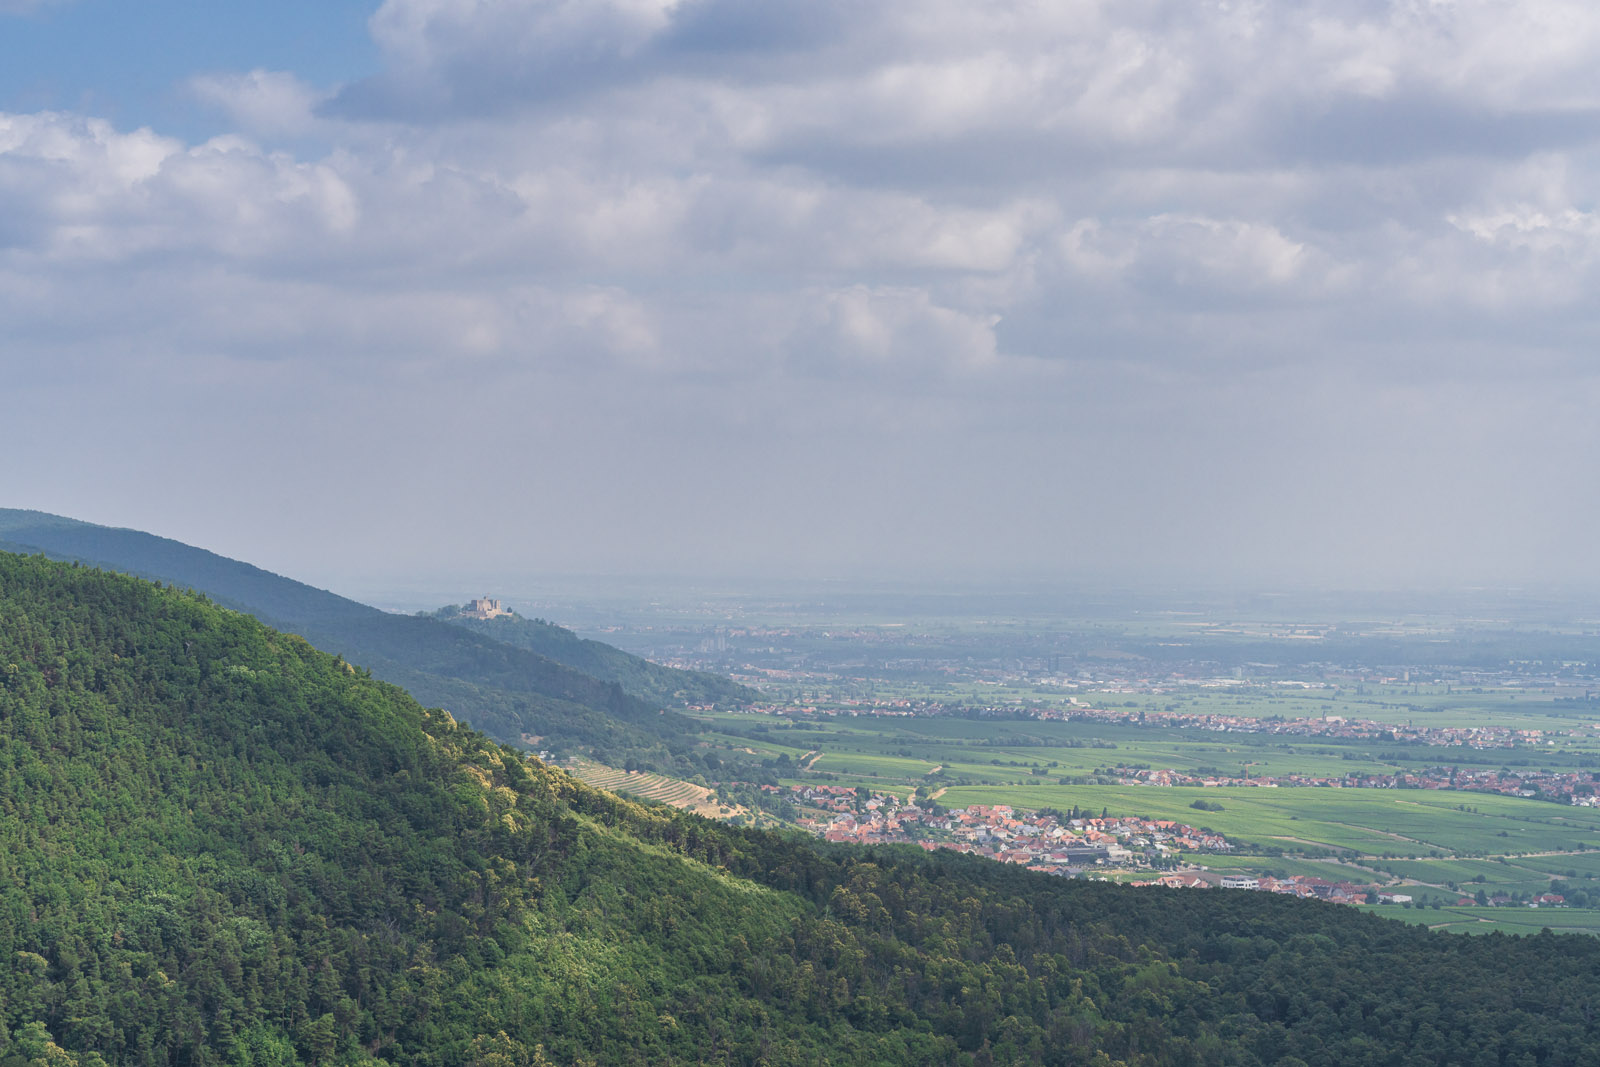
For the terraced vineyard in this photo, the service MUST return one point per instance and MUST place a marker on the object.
(651, 786)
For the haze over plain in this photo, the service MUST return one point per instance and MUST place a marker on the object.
(1193, 292)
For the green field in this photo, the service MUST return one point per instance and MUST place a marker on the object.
(1512, 875)
(893, 769)
(991, 751)
(1333, 872)
(1425, 838)
(1475, 920)
(1421, 705)
(1361, 821)
(1570, 867)
(1428, 840)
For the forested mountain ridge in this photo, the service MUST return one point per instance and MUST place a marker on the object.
(225, 847)
(637, 675)
(511, 693)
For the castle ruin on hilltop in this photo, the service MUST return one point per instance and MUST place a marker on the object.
(484, 608)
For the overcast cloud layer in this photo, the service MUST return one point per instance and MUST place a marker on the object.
(1290, 291)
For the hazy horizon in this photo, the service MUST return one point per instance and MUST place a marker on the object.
(962, 593)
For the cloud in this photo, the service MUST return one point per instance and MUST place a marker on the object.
(261, 102)
(900, 333)
(1139, 258)
(92, 194)
(1169, 76)
(1403, 128)
(452, 58)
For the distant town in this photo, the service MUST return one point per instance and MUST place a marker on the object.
(1040, 840)
(833, 663)
(1322, 726)
(1576, 787)
(1078, 847)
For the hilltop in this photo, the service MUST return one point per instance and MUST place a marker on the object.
(508, 690)
(224, 846)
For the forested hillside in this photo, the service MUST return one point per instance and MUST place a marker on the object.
(222, 846)
(639, 677)
(512, 693)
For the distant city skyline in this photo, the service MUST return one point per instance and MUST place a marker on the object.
(416, 293)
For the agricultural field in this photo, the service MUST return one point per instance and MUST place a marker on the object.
(1475, 920)
(1571, 868)
(1362, 822)
(1421, 705)
(1426, 838)
(1466, 876)
(1278, 866)
(1065, 700)
(1004, 750)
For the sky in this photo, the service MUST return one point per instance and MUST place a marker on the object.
(1145, 291)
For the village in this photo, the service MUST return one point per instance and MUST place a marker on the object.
(1311, 888)
(1575, 787)
(1322, 726)
(1074, 846)
(1064, 844)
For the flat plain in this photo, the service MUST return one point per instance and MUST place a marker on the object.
(1350, 719)
(1440, 842)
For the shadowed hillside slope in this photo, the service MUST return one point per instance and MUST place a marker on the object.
(511, 693)
(221, 846)
(638, 676)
